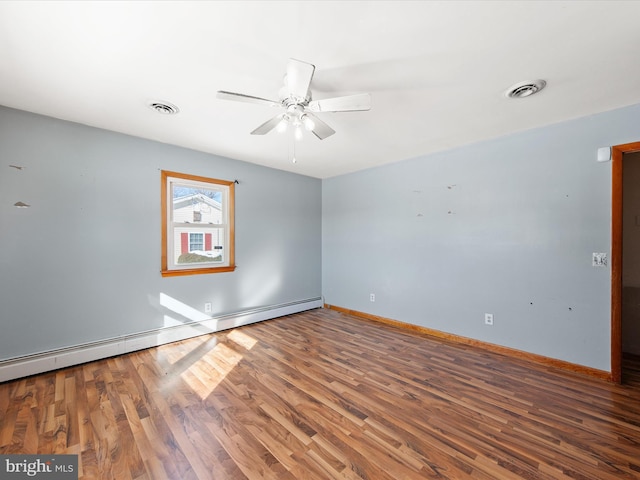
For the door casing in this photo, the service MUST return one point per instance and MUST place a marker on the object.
(617, 156)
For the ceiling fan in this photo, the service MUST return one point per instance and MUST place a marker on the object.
(299, 108)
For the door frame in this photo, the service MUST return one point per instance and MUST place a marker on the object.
(617, 155)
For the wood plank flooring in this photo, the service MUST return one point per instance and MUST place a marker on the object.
(324, 395)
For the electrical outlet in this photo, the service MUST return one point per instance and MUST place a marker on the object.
(372, 297)
(488, 318)
(207, 307)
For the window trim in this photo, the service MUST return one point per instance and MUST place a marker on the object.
(167, 229)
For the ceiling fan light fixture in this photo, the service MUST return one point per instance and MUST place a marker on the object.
(308, 123)
(525, 89)
(282, 126)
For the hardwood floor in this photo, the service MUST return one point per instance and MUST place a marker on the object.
(323, 395)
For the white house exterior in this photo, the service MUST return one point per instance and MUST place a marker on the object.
(198, 214)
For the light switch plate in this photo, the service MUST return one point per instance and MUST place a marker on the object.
(599, 259)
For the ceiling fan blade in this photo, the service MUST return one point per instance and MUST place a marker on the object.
(350, 103)
(320, 129)
(269, 125)
(298, 80)
(241, 97)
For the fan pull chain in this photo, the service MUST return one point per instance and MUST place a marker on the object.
(293, 141)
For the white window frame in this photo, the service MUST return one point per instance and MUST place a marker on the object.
(169, 267)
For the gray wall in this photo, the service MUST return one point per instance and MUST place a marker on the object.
(506, 226)
(82, 263)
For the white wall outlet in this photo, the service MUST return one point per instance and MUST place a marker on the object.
(372, 297)
(207, 307)
(599, 259)
(488, 318)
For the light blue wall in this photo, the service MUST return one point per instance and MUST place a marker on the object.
(506, 226)
(83, 263)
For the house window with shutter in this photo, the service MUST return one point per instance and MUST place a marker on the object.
(197, 224)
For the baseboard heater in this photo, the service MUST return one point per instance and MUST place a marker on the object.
(24, 366)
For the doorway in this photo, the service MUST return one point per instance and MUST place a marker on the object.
(623, 221)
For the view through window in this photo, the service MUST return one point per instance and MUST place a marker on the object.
(197, 224)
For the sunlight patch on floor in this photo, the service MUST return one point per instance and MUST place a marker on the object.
(205, 374)
(175, 352)
(242, 339)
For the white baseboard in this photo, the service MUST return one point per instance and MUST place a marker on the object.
(74, 355)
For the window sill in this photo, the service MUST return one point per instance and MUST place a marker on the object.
(196, 271)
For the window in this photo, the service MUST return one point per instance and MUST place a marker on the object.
(197, 225)
(196, 242)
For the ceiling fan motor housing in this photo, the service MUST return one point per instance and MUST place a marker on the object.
(288, 98)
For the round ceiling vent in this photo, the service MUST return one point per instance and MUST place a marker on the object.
(525, 89)
(164, 108)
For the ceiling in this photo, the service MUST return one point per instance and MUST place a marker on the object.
(436, 70)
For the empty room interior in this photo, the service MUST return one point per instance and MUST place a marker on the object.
(320, 240)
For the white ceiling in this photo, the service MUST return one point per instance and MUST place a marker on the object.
(437, 70)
